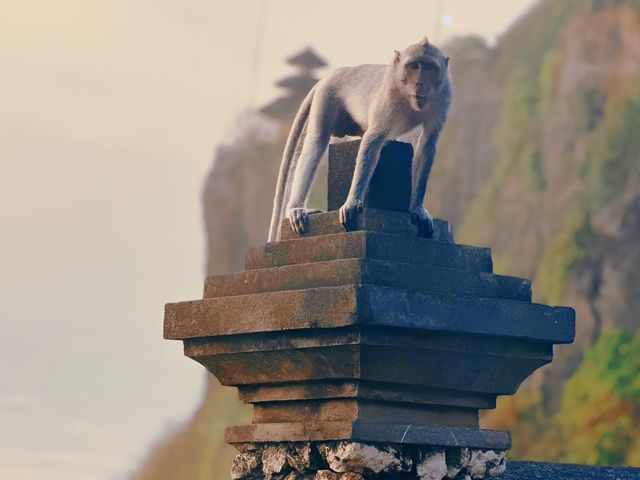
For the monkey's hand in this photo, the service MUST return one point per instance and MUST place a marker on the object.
(349, 212)
(422, 219)
(298, 218)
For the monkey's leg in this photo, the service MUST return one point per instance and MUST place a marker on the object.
(366, 162)
(315, 144)
(422, 163)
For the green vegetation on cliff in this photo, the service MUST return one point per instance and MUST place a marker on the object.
(599, 421)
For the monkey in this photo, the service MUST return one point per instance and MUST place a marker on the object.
(378, 103)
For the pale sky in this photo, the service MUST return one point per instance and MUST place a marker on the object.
(109, 113)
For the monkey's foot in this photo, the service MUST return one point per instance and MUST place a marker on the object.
(422, 219)
(298, 218)
(349, 212)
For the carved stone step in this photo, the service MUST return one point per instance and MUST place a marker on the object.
(452, 366)
(332, 307)
(373, 391)
(369, 219)
(424, 278)
(371, 245)
(340, 409)
(369, 432)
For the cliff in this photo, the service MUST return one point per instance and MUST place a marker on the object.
(540, 160)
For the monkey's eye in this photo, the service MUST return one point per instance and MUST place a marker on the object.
(414, 65)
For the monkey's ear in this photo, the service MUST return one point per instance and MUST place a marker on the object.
(396, 57)
(446, 62)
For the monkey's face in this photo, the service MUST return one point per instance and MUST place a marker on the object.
(421, 74)
(421, 79)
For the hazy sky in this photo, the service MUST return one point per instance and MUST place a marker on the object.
(109, 113)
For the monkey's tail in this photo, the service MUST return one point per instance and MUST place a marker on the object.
(279, 202)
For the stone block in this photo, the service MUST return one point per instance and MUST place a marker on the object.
(301, 458)
(393, 362)
(408, 394)
(486, 462)
(356, 410)
(457, 460)
(369, 219)
(274, 460)
(327, 475)
(351, 476)
(247, 465)
(355, 271)
(432, 465)
(370, 433)
(370, 245)
(390, 186)
(333, 307)
(357, 457)
(274, 311)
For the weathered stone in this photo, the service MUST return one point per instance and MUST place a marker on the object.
(400, 308)
(357, 457)
(375, 355)
(457, 460)
(368, 432)
(494, 463)
(431, 436)
(357, 461)
(390, 185)
(497, 465)
(246, 466)
(341, 409)
(373, 245)
(274, 460)
(275, 311)
(300, 457)
(249, 447)
(331, 307)
(355, 271)
(327, 475)
(482, 462)
(369, 219)
(432, 465)
(363, 390)
(300, 476)
(351, 476)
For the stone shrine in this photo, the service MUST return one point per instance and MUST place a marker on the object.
(368, 353)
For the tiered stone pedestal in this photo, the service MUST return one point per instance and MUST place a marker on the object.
(373, 338)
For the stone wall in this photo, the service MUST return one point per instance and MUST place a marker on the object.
(344, 460)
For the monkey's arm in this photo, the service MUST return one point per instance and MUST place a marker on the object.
(422, 163)
(366, 161)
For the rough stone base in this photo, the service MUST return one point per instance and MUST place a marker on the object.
(346, 460)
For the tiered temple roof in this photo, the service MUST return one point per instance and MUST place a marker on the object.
(297, 85)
